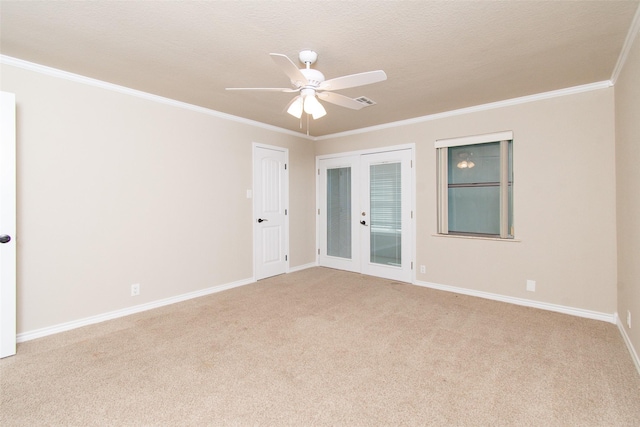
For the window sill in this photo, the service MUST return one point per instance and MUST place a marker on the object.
(457, 236)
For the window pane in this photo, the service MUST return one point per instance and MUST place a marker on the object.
(477, 163)
(339, 212)
(474, 210)
(471, 181)
(386, 214)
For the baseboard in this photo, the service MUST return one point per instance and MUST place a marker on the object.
(302, 267)
(67, 326)
(627, 341)
(605, 317)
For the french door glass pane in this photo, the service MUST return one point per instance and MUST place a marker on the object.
(385, 225)
(339, 212)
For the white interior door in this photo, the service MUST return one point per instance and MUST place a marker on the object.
(365, 218)
(270, 200)
(7, 224)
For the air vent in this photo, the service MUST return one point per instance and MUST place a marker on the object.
(366, 101)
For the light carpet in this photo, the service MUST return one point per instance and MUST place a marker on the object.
(326, 347)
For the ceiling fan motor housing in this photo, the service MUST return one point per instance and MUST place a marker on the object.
(314, 77)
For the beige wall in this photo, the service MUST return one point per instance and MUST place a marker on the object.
(115, 190)
(627, 104)
(564, 201)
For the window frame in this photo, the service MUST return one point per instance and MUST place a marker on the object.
(442, 150)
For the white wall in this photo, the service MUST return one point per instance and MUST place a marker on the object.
(114, 189)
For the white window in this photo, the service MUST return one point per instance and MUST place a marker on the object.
(475, 185)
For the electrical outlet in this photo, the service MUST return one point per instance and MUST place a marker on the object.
(531, 285)
(423, 269)
(629, 318)
(135, 289)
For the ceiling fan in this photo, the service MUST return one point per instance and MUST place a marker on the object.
(310, 83)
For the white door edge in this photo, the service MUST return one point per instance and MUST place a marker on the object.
(8, 224)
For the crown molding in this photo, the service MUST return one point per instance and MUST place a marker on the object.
(626, 47)
(484, 107)
(26, 65)
(54, 72)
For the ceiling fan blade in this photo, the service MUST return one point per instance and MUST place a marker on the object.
(353, 80)
(341, 100)
(297, 78)
(268, 89)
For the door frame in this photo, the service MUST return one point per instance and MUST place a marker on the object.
(412, 195)
(251, 195)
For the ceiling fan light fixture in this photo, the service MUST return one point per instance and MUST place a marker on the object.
(319, 113)
(295, 109)
(312, 106)
(465, 164)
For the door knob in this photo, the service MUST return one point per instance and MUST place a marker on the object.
(261, 220)
(363, 222)
(5, 238)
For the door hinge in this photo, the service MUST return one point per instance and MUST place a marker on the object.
(286, 257)
(318, 171)
(318, 211)
(285, 212)
(411, 214)
(318, 251)
(285, 166)
(411, 163)
(412, 265)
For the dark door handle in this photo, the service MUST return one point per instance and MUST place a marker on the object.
(363, 222)
(261, 220)
(5, 238)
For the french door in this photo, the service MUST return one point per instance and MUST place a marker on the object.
(365, 214)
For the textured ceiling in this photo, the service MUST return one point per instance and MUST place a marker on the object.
(438, 56)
